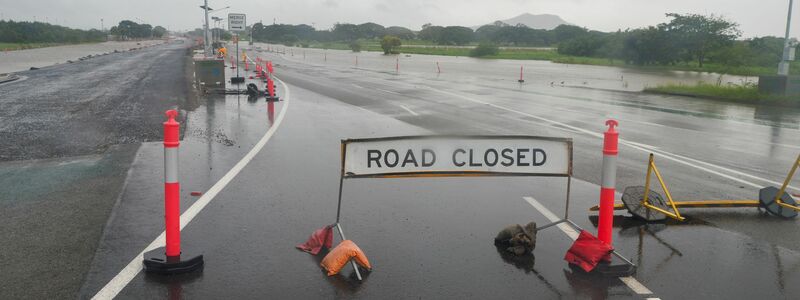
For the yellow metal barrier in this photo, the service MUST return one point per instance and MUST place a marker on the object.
(785, 184)
(651, 168)
(675, 213)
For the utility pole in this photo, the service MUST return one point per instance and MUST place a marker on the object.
(102, 27)
(783, 67)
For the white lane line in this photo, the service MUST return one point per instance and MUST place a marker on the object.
(387, 91)
(568, 230)
(408, 110)
(635, 285)
(113, 287)
(643, 147)
(632, 283)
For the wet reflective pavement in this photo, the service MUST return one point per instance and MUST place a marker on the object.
(432, 238)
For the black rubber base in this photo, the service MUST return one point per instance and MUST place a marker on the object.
(766, 197)
(276, 98)
(615, 269)
(237, 79)
(157, 262)
(520, 81)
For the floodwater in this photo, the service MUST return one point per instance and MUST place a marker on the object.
(20, 60)
(478, 70)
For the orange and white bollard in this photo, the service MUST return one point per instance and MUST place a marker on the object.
(608, 182)
(171, 259)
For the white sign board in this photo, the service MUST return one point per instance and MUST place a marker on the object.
(237, 22)
(457, 156)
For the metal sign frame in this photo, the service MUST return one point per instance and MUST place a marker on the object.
(567, 175)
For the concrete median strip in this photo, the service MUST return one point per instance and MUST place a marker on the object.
(631, 282)
(121, 280)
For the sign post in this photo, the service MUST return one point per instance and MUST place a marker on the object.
(237, 23)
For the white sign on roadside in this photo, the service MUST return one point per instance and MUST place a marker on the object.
(418, 156)
(237, 22)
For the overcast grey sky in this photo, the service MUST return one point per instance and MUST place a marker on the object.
(756, 17)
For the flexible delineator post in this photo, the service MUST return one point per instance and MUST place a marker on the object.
(171, 259)
(271, 88)
(608, 182)
(520, 75)
(397, 65)
(172, 187)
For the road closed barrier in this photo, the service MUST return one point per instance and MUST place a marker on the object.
(450, 156)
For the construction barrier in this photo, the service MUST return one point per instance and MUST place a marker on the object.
(644, 203)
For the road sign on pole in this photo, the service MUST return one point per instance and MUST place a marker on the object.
(237, 22)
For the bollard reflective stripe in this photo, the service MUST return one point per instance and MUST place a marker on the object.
(172, 187)
(608, 182)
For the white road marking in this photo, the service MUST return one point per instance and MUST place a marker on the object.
(113, 287)
(635, 285)
(632, 283)
(690, 162)
(568, 230)
(387, 91)
(408, 110)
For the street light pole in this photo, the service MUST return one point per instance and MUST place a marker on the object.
(783, 67)
(206, 39)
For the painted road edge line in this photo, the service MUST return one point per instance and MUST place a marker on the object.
(638, 146)
(633, 284)
(408, 110)
(121, 280)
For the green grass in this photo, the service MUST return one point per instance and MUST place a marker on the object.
(732, 93)
(412, 47)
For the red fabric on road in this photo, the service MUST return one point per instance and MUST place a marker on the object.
(587, 251)
(322, 237)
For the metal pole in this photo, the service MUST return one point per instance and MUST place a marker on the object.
(207, 45)
(355, 267)
(783, 67)
(339, 207)
(566, 207)
(237, 54)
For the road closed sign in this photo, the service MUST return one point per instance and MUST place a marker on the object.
(418, 156)
(237, 22)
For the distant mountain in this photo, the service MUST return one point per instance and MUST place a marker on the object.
(543, 21)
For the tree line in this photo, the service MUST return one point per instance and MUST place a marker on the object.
(684, 39)
(127, 29)
(39, 32)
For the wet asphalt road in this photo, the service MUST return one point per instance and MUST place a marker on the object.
(432, 238)
(705, 149)
(68, 136)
